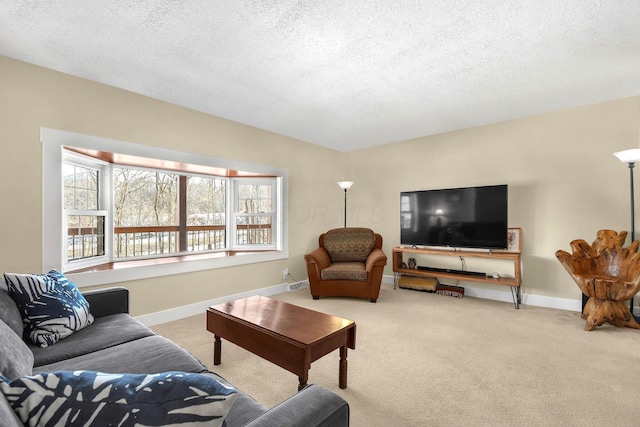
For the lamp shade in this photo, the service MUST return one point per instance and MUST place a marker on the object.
(345, 185)
(628, 156)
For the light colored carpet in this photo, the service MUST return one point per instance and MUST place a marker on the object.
(425, 359)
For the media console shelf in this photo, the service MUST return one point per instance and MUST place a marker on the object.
(513, 282)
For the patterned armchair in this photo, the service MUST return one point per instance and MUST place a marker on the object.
(349, 262)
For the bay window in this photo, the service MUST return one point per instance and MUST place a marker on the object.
(119, 206)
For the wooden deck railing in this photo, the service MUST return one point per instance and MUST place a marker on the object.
(164, 240)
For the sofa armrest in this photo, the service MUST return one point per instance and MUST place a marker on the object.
(103, 302)
(314, 406)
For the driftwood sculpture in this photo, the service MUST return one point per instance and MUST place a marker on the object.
(608, 274)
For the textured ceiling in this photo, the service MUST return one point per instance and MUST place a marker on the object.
(342, 74)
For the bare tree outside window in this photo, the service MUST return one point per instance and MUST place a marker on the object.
(145, 212)
(254, 218)
(206, 213)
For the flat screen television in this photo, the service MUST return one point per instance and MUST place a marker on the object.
(470, 217)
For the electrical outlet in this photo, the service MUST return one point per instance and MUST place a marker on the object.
(285, 273)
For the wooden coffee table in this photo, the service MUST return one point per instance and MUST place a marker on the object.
(292, 337)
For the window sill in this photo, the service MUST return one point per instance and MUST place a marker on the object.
(123, 271)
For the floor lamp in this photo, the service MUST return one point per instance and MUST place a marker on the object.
(345, 185)
(630, 157)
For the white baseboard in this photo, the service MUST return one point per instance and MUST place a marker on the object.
(181, 312)
(506, 296)
(177, 313)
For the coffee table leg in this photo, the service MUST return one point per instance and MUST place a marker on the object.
(217, 350)
(302, 381)
(342, 378)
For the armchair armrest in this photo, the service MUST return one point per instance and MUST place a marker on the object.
(103, 302)
(319, 257)
(316, 261)
(314, 406)
(376, 258)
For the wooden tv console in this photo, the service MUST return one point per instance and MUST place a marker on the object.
(514, 282)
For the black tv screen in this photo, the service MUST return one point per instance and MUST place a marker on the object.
(470, 217)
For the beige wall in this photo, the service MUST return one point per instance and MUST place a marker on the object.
(563, 181)
(33, 97)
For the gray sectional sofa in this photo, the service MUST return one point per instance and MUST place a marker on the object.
(118, 343)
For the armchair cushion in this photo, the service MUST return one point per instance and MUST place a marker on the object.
(345, 271)
(349, 244)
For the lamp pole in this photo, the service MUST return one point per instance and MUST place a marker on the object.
(633, 220)
(633, 215)
(630, 157)
(345, 185)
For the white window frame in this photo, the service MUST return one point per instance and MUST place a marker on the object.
(235, 214)
(54, 233)
(104, 209)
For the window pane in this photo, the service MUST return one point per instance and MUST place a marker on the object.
(253, 230)
(146, 212)
(206, 209)
(254, 198)
(145, 198)
(206, 201)
(80, 187)
(85, 236)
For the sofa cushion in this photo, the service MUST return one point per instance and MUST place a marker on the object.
(9, 312)
(84, 397)
(345, 271)
(151, 355)
(17, 359)
(105, 332)
(7, 416)
(349, 244)
(51, 306)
